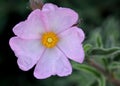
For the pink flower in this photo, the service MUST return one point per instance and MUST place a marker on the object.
(48, 39)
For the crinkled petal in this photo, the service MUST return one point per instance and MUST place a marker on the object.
(80, 33)
(63, 67)
(53, 62)
(32, 27)
(49, 7)
(70, 44)
(59, 19)
(27, 51)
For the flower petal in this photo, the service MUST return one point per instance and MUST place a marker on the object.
(49, 7)
(80, 33)
(63, 67)
(52, 62)
(70, 44)
(60, 19)
(32, 27)
(27, 51)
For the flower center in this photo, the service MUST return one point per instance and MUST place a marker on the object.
(49, 39)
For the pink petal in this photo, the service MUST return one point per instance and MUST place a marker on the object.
(63, 67)
(32, 27)
(59, 19)
(52, 62)
(70, 44)
(80, 33)
(49, 7)
(27, 51)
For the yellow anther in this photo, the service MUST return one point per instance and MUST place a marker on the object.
(49, 39)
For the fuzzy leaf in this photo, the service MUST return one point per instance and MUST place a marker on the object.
(114, 65)
(102, 51)
(99, 41)
(87, 47)
(91, 70)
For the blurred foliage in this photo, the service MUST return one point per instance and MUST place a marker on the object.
(100, 20)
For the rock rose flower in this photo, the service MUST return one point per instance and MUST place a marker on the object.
(47, 39)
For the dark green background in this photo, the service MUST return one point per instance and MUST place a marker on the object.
(96, 17)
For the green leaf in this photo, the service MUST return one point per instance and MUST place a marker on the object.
(114, 65)
(99, 41)
(91, 70)
(87, 47)
(102, 51)
(105, 63)
(116, 56)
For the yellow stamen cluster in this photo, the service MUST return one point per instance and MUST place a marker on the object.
(49, 39)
